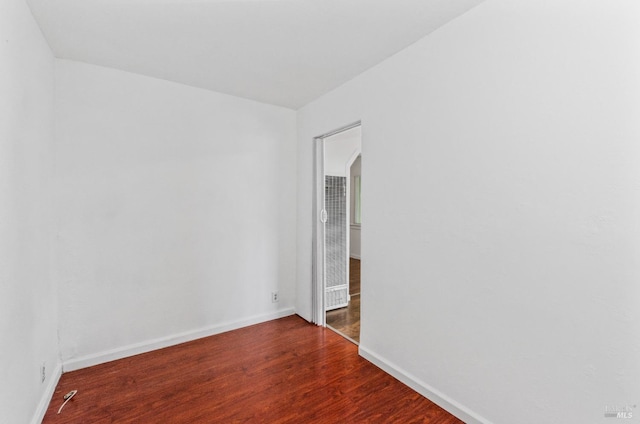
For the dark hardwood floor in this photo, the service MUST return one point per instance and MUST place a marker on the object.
(354, 276)
(282, 371)
(347, 320)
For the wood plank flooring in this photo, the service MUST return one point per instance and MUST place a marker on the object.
(354, 276)
(347, 320)
(282, 371)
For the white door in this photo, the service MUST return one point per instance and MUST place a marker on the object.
(336, 242)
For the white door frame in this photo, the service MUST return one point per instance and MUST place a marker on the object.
(318, 235)
(318, 246)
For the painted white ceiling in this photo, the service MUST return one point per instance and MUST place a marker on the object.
(283, 52)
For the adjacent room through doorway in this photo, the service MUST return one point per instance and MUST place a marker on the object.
(342, 228)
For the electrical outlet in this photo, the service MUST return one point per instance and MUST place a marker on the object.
(43, 372)
(274, 297)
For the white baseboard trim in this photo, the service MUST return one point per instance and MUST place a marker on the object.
(45, 400)
(187, 336)
(440, 399)
(355, 256)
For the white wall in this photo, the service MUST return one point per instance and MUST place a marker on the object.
(339, 149)
(28, 317)
(354, 229)
(515, 253)
(174, 211)
(354, 171)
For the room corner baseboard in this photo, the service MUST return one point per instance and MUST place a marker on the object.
(46, 397)
(160, 343)
(443, 401)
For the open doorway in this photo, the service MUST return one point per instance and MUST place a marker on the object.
(338, 260)
(346, 319)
